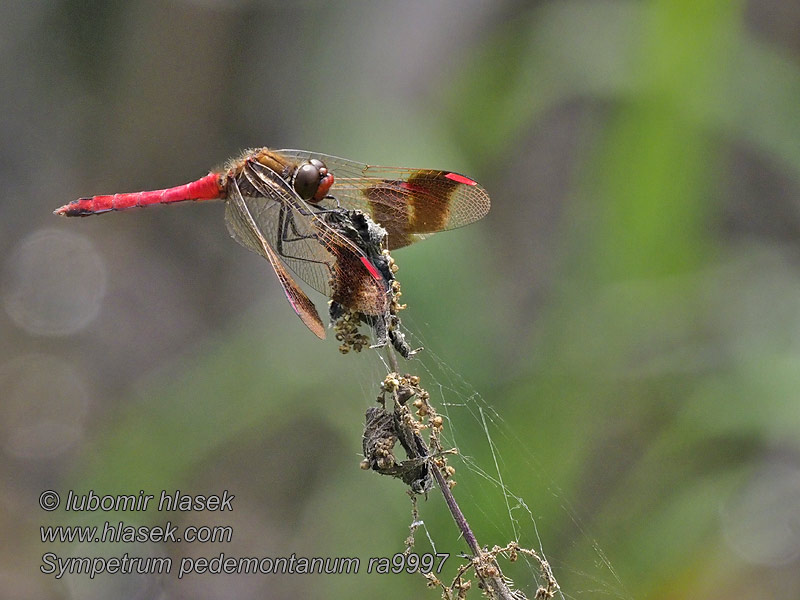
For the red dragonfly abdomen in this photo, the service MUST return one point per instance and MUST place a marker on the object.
(209, 187)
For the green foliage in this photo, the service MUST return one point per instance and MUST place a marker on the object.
(658, 371)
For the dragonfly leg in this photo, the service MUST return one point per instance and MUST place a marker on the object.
(286, 223)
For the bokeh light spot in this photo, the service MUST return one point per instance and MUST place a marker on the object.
(44, 406)
(762, 523)
(54, 282)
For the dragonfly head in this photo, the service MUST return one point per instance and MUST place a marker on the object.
(312, 180)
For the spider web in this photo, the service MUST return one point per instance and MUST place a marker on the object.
(485, 490)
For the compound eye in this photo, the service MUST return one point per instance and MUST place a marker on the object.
(306, 180)
(320, 165)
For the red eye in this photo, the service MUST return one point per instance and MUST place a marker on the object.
(324, 187)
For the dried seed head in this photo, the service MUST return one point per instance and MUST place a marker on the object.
(390, 383)
(433, 581)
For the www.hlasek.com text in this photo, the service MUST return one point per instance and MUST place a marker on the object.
(120, 532)
(53, 564)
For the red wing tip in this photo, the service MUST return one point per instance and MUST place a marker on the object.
(371, 268)
(461, 179)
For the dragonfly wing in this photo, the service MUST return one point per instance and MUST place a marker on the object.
(316, 251)
(286, 231)
(408, 203)
(243, 227)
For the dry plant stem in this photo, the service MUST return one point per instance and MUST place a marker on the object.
(392, 359)
(495, 586)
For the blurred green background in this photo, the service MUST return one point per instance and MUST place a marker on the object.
(630, 308)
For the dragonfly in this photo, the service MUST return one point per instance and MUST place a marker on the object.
(322, 218)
